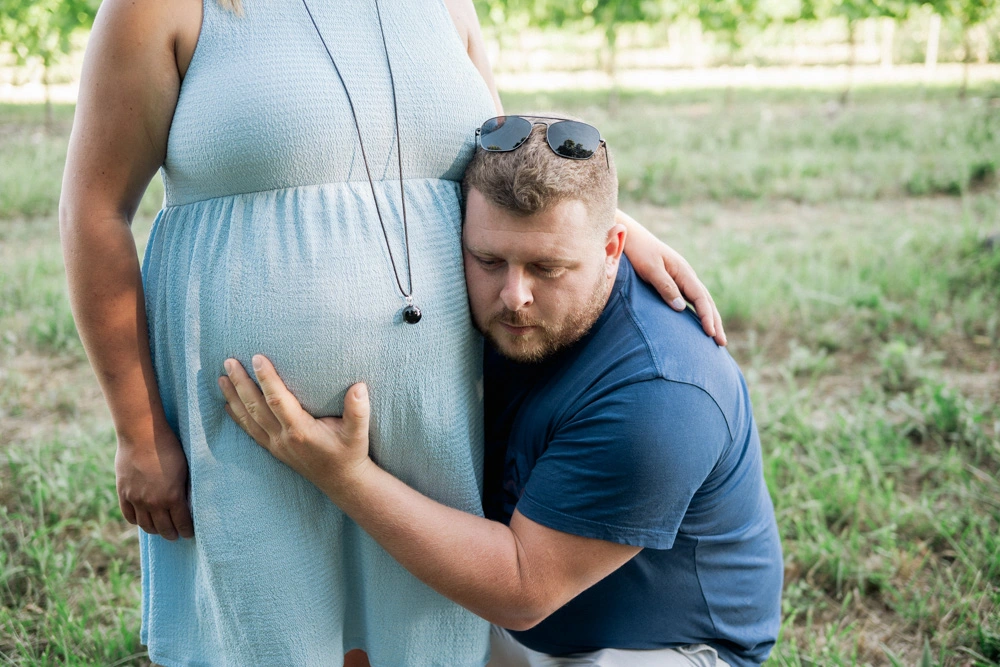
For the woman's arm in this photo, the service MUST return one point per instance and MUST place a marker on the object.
(127, 96)
(463, 14)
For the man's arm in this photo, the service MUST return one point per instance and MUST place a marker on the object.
(513, 576)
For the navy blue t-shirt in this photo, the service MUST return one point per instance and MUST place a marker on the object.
(641, 433)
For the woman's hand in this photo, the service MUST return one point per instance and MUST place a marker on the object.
(330, 452)
(663, 267)
(152, 485)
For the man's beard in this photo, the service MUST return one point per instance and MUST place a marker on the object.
(546, 339)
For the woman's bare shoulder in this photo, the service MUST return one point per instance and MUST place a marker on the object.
(463, 14)
(136, 57)
(160, 25)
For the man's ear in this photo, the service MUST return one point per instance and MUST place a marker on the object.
(614, 248)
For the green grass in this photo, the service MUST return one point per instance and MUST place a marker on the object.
(889, 506)
(798, 145)
(33, 302)
(865, 315)
(68, 571)
(880, 273)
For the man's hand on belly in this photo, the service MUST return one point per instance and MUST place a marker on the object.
(513, 576)
(327, 451)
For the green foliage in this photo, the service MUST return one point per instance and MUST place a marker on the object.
(729, 19)
(871, 519)
(34, 309)
(726, 17)
(804, 361)
(515, 15)
(33, 161)
(980, 259)
(557, 12)
(608, 15)
(42, 28)
(969, 12)
(926, 660)
(855, 10)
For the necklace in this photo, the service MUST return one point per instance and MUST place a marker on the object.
(411, 314)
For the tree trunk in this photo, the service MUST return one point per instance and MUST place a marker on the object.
(852, 41)
(612, 36)
(700, 59)
(933, 40)
(49, 118)
(675, 43)
(888, 37)
(982, 44)
(966, 60)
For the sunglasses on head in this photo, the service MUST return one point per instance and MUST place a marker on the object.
(570, 139)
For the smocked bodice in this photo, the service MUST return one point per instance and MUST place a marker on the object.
(261, 107)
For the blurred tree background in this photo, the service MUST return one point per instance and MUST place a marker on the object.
(727, 31)
(712, 32)
(42, 31)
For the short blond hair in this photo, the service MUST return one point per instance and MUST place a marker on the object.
(531, 178)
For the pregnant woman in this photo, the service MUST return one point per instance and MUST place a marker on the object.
(266, 120)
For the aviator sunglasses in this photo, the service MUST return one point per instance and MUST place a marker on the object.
(570, 139)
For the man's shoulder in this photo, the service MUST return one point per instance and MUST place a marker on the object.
(659, 342)
(677, 346)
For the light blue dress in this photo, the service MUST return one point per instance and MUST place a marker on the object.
(269, 242)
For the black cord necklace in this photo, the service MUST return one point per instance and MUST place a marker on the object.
(411, 314)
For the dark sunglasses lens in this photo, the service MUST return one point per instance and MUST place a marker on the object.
(504, 133)
(574, 140)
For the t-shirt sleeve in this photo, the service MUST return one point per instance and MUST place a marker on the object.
(625, 468)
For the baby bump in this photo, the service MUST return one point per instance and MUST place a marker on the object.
(304, 277)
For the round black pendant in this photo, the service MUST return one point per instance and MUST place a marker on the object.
(411, 314)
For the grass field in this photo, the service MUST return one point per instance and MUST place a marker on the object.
(855, 255)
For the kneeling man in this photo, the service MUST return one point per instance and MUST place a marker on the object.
(627, 518)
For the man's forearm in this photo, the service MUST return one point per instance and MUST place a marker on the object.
(513, 576)
(482, 565)
(468, 559)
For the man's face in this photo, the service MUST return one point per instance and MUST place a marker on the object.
(537, 283)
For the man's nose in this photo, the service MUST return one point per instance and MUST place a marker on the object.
(516, 292)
